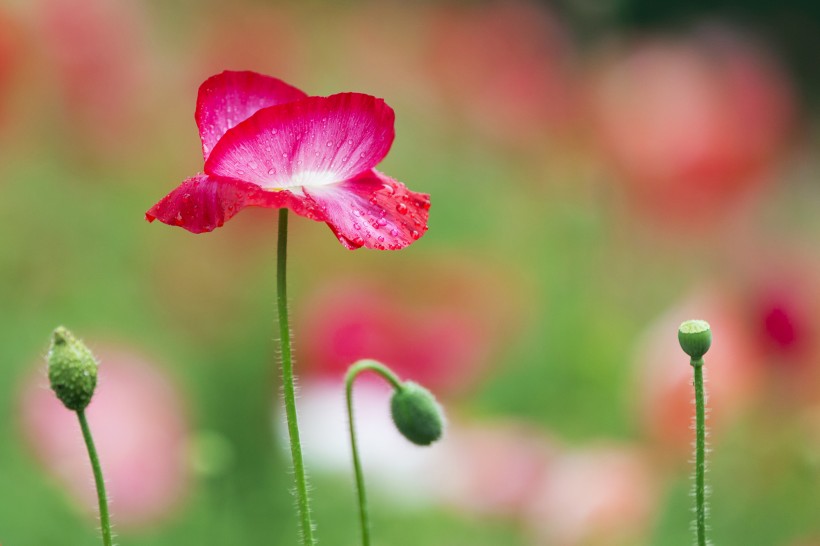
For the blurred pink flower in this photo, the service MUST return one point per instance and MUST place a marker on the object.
(493, 468)
(602, 496)
(732, 372)
(139, 424)
(692, 125)
(506, 66)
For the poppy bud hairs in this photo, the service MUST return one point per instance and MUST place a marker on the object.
(415, 413)
(268, 144)
(72, 372)
(695, 337)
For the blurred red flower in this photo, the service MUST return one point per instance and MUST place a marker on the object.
(140, 428)
(9, 53)
(434, 343)
(98, 52)
(506, 65)
(268, 144)
(691, 125)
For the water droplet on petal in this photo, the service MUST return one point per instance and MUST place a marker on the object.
(357, 226)
(381, 238)
(273, 131)
(329, 143)
(381, 222)
(271, 171)
(415, 234)
(350, 141)
(361, 154)
(394, 232)
(401, 208)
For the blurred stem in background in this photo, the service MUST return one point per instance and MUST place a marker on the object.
(415, 413)
(302, 500)
(695, 338)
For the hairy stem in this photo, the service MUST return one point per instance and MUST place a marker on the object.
(352, 373)
(302, 500)
(700, 452)
(102, 498)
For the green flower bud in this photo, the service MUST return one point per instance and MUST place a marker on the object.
(695, 337)
(416, 414)
(72, 370)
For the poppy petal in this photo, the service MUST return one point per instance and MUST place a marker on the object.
(372, 210)
(232, 97)
(203, 203)
(310, 142)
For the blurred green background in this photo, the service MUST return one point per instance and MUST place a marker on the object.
(597, 175)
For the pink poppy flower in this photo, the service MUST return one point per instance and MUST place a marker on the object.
(268, 144)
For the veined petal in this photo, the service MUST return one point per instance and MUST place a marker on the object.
(310, 142)
(372, 210)
(232, 97)
(203, 203)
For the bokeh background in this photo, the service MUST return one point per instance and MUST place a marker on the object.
(599, 172)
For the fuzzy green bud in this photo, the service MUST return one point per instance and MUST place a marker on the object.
(72, 370)
(695, 337)
(416, 414)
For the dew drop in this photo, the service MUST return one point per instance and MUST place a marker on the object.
(357, 226)
(401, 208)
(271, 171)
(329, 143)
(274, 131)
(394, 232)
(381, 238)
(350, 141)
(415, 234)
(361, 154)
(240, 171)
(381, 222)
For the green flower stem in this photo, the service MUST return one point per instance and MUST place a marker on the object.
(700, 452)
(302, 500)
(105, 521)
(353, 372)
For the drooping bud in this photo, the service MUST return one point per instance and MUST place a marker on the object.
(695, 337)
(416, 414)
(72, 370)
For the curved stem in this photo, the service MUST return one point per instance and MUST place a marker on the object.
(700, 452)
(302, 500)
(102, 498)
(352, 373)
